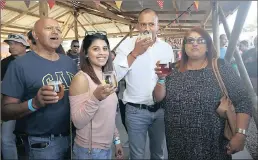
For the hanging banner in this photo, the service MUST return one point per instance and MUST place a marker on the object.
(160, 3)
(118, 4)
(196, 5)
(51, 3)
(97, 3)
(27, 2)
(2, 4)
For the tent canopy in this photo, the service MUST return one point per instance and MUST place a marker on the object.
(17, 18)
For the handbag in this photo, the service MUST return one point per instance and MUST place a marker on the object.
(225, 109)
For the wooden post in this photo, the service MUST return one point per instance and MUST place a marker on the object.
(75, 14)
(131, 31)
(43, 9)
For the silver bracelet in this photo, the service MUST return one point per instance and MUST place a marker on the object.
(241, 131)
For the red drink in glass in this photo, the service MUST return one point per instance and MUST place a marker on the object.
(165, 67)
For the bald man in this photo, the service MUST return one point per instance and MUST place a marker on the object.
(43, 117)
(135, 62)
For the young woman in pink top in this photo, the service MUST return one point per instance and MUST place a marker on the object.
(93, 104)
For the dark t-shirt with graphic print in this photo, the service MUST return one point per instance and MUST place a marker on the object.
(25, 76)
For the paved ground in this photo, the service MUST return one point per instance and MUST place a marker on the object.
(123, 135)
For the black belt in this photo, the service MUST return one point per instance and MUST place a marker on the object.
(151, 108)
(51, 135)
(43, 135)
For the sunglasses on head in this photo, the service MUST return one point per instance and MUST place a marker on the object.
(14, 36)
(199, 40)
(104, 33)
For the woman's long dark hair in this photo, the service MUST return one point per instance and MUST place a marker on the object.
(211, 51)
(85, 63)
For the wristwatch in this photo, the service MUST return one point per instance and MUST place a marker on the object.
(241, 131)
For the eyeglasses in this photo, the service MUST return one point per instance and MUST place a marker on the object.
(14, 36)
(76, 46)
(104, 33)
(199, 40)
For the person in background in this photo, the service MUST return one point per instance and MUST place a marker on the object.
(135, 62)
(94, 104)
(60, 50)
(113, 54)
(44, 117)
(190, 96)
(17, 47)
(223, 45)
(243, 46)
(74, 52)
(31, 40)
(250, 62)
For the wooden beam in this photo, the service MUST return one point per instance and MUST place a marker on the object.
(107, 12)
(43, 8)
(62, 15)
(206, 18)
(89, 22)
(65, 26)
(166, 12)
(180, 21)
(131, 31)
(12, 31)
(19, 16)
(67, 31)
(75, 15)
(29, 14)
(128, 34)
(85, 30)
(184, 27)
(88, 10)
(117, 26)
(18, 27)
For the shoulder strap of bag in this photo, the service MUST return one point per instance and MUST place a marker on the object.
(218, 77)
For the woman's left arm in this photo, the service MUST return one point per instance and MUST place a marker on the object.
(243, 105)
(238, 94)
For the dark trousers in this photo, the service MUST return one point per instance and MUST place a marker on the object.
(122, 112)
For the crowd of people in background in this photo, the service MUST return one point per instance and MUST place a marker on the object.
(76, 119)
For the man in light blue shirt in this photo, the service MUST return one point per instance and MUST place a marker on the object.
(223, 45)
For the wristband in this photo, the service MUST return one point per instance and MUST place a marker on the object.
(30, 107)
(161, 81)
(117, 142)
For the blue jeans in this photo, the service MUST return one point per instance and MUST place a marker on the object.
(82, 153)
(9, 150)
(55, 147)
(139, 122)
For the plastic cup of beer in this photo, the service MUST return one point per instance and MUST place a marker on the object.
(165, 67)
(109, 77)
(58, 88)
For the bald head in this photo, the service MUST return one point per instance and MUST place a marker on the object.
(148, 10)
(44, 21)
(47, 33)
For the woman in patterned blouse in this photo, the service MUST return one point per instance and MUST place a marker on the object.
(190, 96)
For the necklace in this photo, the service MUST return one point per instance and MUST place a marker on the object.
(198, 68)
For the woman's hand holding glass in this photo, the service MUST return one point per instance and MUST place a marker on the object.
(103, 91)
(162, 69)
